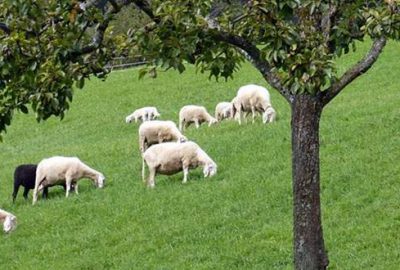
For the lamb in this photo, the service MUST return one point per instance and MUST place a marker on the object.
(68, 170)
(158, 131)
(223, 110)
(194, 114)
(143, 114)
(170, 158)
(251, 98)
(24, 175)
(9, 221)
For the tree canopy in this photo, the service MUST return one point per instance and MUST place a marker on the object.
(50, 46)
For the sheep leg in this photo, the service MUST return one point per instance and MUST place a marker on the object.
(142, 142)
(185, 174)
(14, 195)
(26, 191)
(239, 116)
(143, 170)
(75, 187)
(45, 192)
(181, 125)
(196, 122)
(38, 188)
(67, 186)
(253, 113)
(34, 198)
(35, 191)
(152, 174)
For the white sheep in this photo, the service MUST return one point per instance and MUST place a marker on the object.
(170, 158)
(9, 221)
(251, 98)
(158, 131)
(223, 110)
(194, 114)
(143, 114)
(68, 170)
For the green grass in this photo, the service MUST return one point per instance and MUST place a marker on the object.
(239, 219)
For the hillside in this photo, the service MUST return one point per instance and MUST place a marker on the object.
(239, 219)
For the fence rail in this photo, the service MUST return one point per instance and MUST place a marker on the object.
(125, 62)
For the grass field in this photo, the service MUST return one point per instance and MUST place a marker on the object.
(239, 219)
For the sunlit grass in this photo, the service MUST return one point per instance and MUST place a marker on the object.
(239, 219)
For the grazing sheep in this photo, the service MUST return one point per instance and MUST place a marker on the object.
(251, 98)
(269, 115)
(24, 175)
(9, 221)
(170, 158)
(223, 110)
(158, 131)
(68, 170)
(194, 114)
(143, 114)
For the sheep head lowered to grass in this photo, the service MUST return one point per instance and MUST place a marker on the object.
(172, 157)
(66, 170)
(9, 221)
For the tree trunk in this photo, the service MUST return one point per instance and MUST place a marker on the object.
(309, 250)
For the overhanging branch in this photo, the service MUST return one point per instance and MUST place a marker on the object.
(250, 51)
(253, 54)
(358, 69)
(98, 37)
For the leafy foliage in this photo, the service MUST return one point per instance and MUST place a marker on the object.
(49, 46)
(39, 64)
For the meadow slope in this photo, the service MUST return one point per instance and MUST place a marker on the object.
(239, 219)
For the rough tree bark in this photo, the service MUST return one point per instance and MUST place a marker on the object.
(309, 249)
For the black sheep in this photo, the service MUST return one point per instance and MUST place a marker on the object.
(25, 175)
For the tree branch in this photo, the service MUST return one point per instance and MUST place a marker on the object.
(326, 22)
(248, 50)
(354, 72)
(253, 54)
(99, 34)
